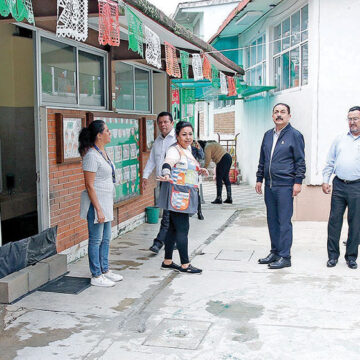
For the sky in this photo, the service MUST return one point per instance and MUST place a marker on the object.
(167, 6)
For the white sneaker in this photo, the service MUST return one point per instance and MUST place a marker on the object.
(112, 276)
(102, 281)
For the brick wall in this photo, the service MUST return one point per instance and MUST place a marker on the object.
(66, 182)
(224, 123)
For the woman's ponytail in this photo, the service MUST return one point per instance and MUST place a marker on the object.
(88, 136)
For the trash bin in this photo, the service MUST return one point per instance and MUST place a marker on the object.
(152, 214)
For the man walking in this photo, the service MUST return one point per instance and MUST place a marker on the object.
(282, 164)
(344, 161)
(157, 155)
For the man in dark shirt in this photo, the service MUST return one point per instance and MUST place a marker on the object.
(282, 164)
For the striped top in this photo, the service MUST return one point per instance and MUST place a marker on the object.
(103, 185)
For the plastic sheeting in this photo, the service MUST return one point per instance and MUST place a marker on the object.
(41, 246)
(13, 257)
(17, 255)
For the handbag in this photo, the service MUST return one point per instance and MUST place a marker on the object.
(180, 194)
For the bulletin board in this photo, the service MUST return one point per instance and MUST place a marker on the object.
(124, 152)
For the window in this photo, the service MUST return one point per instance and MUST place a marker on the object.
(219, 104)
(290, 51)
(132, 87)
(91, 79)
(60, 81)
(58, 72)
(255, 60)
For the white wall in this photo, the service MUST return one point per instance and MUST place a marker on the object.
(253, 115)
(339, 70)
(319, 109)
(213, 17)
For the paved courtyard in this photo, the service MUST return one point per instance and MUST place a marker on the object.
(235, 310)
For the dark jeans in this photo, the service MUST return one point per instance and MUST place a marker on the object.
(344, 195)
(164, 227)
(279, 208)
(178, 233)
(222, 172)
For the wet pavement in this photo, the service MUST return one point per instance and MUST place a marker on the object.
(235, 310)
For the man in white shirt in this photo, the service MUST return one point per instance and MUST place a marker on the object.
(344, 162)
(157, 155)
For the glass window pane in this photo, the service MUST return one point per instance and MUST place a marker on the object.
(58, 72)
(259, 52)
(277, 73)
(253, 54)
(264, 48)
(247, 76)
(304, 64)
(91, 79)
(252, 79)
(248, 57)
(294, 67)
(286, 34)
(277, 35)
(264, 74)
(124, 86)
(304, 22)
(295, 28)
(142, 86)
(285, 71)
(258, 79)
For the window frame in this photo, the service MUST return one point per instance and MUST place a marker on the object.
(224, 104)
(151, 83)
(262, 62)
(78, 47)
(278, 56)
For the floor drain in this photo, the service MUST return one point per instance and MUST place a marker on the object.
(179, 334)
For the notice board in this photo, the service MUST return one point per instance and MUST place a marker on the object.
(123, 150)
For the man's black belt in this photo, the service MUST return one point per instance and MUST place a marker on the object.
(349, 181)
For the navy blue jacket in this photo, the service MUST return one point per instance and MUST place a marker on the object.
(287, 165)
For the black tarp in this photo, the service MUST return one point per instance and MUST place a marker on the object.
(41, 246)
(17, 255)
(13, 257)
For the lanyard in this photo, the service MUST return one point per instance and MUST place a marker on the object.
(108, 161)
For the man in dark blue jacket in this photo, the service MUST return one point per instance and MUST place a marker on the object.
(282, 164)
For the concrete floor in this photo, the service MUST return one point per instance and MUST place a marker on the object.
(235, 310)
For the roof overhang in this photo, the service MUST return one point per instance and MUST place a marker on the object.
(246, 14)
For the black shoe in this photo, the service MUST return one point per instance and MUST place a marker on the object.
(351, 264)
(190, 270)
(228, 201)
(269, 259)
(200, 216)
(279, 264)
(218, 200)
(331, 262)
(172, 266)
(156, 246)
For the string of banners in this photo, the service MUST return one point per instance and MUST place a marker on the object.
(72, 21)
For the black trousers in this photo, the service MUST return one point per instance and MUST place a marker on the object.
(344, 195)
(222, 171)
(178, 233)
(164, 227)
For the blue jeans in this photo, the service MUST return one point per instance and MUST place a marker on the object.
(98, 247)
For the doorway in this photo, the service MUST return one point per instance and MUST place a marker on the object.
(18, 180)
